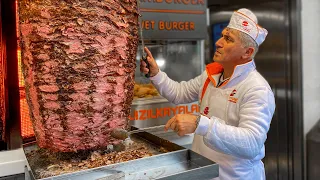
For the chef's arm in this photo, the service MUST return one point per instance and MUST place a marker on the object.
(246, 140)
(175, 92)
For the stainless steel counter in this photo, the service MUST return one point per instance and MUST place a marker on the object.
(183, 164)
(176, 162)
(12, 162)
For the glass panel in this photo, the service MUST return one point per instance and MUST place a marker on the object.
(181, 60)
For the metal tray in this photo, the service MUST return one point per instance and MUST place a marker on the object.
(178, 163)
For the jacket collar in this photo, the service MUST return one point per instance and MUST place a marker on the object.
(243, 68)
(216, 68)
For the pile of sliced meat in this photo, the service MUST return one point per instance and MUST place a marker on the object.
(78, 60)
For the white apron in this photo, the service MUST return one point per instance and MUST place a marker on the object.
(215, 103)
(237, 118)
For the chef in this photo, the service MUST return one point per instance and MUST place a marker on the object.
(236, 102)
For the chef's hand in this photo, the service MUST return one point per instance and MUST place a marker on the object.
(182, 123)
(154, 69)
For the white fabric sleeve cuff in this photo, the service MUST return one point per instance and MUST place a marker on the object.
(157, 78)
(203, 126)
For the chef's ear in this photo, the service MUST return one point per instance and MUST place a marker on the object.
(248, 54)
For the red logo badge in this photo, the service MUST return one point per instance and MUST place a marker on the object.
(245, 23)
(206, 111)
(233, 92)
(232, 98)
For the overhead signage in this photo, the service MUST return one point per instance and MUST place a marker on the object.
(174, 19)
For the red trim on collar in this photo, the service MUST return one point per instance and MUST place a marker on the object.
(213, 69)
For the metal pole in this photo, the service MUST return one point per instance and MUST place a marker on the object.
(13, 127)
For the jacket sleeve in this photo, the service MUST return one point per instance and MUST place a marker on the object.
(177, 93)
(246, 140)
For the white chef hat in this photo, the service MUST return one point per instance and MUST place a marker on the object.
(245, 21)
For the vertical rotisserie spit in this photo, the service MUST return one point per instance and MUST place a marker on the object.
(78, 59)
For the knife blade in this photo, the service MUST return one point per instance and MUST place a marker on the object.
(123, 134)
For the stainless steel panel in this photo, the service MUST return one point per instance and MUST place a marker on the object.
(295, 128)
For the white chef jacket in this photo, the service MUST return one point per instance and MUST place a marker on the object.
(235, 117)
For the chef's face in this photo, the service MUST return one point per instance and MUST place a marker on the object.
(229, 48)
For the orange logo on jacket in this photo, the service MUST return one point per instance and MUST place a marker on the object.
(231, 98)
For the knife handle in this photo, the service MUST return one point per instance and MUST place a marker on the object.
(144, 58)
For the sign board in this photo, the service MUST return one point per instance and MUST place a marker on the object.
(156, 112)
(174, 19)
(145, 114)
